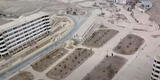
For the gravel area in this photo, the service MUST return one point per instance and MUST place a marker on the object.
(46, 61)
(129, 45)
(107, 69)
(99, 38)
(70, 63)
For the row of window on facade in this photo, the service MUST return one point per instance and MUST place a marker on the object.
(155, 70)
(22, 36)
(25, 45)
(156, 66)
(21, 33)
(157, 61)
(25, 31)
(23, 28)
(26, 23)
(154, 76)
(27, 35)
(27, 38)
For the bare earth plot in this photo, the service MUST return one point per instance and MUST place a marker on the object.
(23, 76)
(129, 45)
(49, 59)
(106, 69)
(70, 63)
(99, 38)
(156, 36)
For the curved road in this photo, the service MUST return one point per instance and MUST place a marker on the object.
(28, 61)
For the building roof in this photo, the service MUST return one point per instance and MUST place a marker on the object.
(20, 21)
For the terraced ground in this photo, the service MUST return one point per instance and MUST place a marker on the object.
(129, 45)
(99, 38)
(24, 75)
(70, 63)
(107, 69)
(46, 61)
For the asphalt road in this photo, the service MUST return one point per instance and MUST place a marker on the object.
(23, 64)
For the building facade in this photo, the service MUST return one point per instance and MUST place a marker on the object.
(19, 34)
(156, 69)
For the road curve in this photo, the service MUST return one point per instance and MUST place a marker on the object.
(28, 61)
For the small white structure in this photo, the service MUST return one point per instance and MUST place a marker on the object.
(120, 1)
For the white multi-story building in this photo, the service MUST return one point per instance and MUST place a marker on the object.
(18, 34)
(156, 69)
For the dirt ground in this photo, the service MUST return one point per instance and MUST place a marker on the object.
(70, 63)
(155, 11)
(49, 59)
(106, 69)
(25, 7)
(129, 45)
(99, 38)
(23, 76)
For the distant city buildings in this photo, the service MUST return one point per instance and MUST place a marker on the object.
(126, 1)
(156, 69)
(75, 11)
(19, 34)
(145, 5)
(120, 1)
